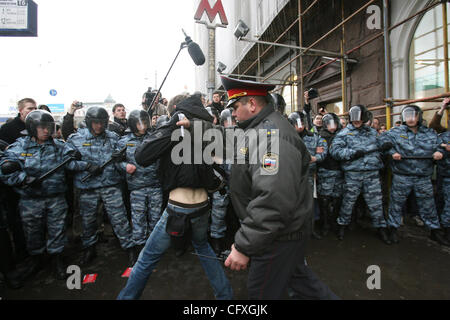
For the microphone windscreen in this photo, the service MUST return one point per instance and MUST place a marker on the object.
(196, 53)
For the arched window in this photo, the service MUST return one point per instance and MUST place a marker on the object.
(289, 94)
(426, 58)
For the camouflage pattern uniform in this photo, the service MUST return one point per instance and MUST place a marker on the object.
(97, 150)
(146, 193)
(412, 175)
(362, 174)
(312, 142)
(444, 172)
(42, 207)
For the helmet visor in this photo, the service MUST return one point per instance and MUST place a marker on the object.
(331, 124)
(46, 128)
(409, 115)
(355, 114)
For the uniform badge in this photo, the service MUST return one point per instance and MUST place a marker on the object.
(243, 151)
(270, 162)
(87, 144)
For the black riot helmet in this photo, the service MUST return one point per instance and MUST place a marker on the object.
(411, 112)
(39, 118)
(136, 117)
(213, 112)
(297, 118)
(358, 113)
(98, 115)
(226, 117)
(330, 121)
(162, 121)
(278, 102)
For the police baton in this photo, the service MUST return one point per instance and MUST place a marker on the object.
(416, 158)
(221, 257)
(49, 173)
(104, 165)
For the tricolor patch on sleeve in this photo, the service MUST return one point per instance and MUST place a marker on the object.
(270, 162)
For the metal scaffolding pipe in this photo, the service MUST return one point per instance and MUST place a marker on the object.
(362, 44)
(445, 43)
(340, 24)
(300, 105)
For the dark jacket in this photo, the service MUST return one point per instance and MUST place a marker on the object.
(10, 131)
(218, 106)
(118, 126)
(329, 163)
(272, 198)
(160, 146)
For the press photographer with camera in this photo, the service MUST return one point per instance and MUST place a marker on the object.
(68, 125)
(157, 108)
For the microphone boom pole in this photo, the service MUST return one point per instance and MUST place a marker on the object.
(187, 43)
(183, 45)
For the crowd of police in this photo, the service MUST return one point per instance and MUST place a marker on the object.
(91, 166)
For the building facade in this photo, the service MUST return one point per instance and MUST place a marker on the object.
(414, 52)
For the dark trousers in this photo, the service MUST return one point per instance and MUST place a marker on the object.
(281, 268)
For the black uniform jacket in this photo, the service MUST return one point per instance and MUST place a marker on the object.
(271, 197)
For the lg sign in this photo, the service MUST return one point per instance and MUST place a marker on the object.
(211, 12)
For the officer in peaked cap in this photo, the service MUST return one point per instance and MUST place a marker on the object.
(273, 200)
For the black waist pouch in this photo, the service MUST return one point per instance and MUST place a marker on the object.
(179, 226)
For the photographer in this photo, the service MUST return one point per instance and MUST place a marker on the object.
(157, 108)
(68, 125)
(436, 121)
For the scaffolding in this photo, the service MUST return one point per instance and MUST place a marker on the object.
(390, 102)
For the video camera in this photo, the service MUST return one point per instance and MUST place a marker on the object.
(148, 97)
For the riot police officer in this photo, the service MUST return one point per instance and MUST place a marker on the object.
(42, 202)
(358, 149)
(317, 148)
(330, 176)
(143, 183)
(413, 140)
(97, 146)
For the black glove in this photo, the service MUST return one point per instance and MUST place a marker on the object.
(9, 167)
(118, 156)
(75, 154)
(32, 182)
(358, 154)
(94, 169)
(386, 146)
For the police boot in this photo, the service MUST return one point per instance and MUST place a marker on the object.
(382, 232)
(89, 254)
(217, 245)
(325, 212)
(341, 232)
(36, 264)
(13, 280)
(58, 267)
(393, 236)
(436, 236)
(132, 256)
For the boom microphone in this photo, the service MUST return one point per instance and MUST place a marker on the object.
(194, 51)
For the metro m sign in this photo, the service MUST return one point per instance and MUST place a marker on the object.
(211, 12)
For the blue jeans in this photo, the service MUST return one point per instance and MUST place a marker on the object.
(158, 243)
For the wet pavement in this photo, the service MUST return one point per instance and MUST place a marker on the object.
(417, 268)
